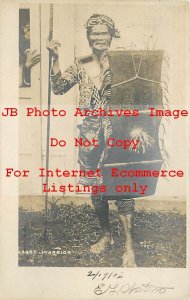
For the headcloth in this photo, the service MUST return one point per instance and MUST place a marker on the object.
(97, 19)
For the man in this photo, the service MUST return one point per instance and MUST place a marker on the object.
(93, 75)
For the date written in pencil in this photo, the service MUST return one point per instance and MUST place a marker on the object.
(104, 275)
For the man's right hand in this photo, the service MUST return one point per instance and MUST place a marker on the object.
(52, 46)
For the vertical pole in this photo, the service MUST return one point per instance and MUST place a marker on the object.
(48, 120)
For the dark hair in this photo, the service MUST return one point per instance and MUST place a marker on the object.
(24, 18)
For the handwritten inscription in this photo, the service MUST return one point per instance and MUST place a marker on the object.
(106, 286)
(106, 275)
(130, 288)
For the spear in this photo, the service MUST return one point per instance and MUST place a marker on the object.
(48, 118)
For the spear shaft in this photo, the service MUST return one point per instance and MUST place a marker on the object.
(48, 119)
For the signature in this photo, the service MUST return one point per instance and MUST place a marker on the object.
(130, 288)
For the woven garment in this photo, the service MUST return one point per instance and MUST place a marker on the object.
(99, 128)
(125, 206)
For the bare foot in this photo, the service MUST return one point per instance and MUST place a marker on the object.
(129, 259)
(104, 242)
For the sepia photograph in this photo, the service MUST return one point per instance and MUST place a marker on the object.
(117, 121)
(95, 147)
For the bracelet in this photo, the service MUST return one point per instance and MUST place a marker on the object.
(56, 74)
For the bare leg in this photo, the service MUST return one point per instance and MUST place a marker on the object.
(128, 256)
(126, 209)
(102, 212)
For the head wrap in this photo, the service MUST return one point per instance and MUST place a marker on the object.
(97, 19)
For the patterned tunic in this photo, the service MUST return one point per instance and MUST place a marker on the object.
(91, 158)
(91, 97)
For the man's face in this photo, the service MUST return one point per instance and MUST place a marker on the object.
(100, 38)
